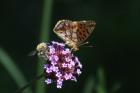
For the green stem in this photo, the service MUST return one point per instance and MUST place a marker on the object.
(44, 36)
(101, 88)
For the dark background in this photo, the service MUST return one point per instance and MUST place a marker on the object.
(117, 39)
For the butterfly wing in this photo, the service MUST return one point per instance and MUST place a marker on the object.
(84, 30)
(64, 30)
(74, 32)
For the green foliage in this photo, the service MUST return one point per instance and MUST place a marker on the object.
(116, 88)
(13, 70)
(44, 36)
(101, 87)
(89, 85)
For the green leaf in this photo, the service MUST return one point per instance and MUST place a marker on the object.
(13, 70)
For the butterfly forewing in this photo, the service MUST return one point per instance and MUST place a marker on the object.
(63, 29)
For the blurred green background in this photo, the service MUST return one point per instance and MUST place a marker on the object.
(110, 67)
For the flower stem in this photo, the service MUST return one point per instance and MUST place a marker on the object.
(44, 36)
(30, 83)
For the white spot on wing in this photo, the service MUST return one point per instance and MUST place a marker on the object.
(68, 32)
(74, 35)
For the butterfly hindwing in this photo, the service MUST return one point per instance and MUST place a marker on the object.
(84, 30)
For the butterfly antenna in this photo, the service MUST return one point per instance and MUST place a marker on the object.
(84, 43)
(87, 45)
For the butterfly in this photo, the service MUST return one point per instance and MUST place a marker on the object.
(74, 33)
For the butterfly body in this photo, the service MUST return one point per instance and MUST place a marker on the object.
(74, 33)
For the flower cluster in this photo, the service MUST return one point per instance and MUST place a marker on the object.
(62, 65)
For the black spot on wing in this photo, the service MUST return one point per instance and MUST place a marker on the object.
(86, 30)
(84, 35)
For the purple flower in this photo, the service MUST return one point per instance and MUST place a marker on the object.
(61, 65)
(59, 85)
(54, 68)
(48, 70)
(58, 74)
(68, 76)
(64, 65)
(48, 81)
(53, 58)
(78, 71)
(52, 50)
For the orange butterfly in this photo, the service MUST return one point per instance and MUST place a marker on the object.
(74, 33)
